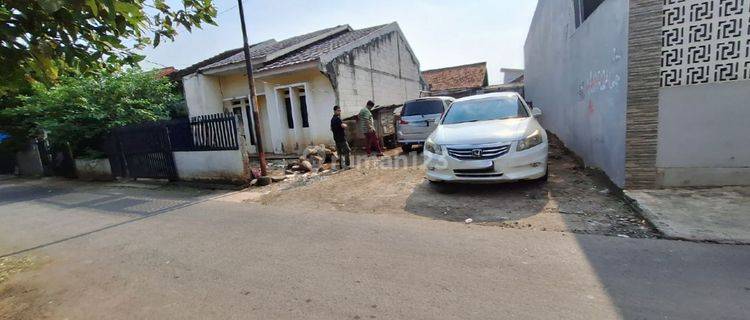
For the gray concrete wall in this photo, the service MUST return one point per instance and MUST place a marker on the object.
(703, 134)
(29, 162)
(510, 74)
(578, 77)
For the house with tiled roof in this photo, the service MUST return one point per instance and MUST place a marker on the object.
(298, 81)
(458, 77)
(462, 81)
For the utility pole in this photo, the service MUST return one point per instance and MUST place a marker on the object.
(263, 180)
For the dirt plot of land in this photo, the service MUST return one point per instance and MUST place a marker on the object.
(575, 199)
(17, 301)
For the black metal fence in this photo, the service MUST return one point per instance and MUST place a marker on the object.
(56, 160)
(145, 150)
(7, 162)
(212, 132)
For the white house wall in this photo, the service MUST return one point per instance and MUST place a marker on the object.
(202, 94)
(235, 85)
(320, 98)
(382, 70)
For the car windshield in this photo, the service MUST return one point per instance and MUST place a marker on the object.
(423, 107)
(484, 110)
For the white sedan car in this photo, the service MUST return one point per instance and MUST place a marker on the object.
(487, 138)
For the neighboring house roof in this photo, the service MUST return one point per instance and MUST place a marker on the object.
(165, 72)
(464, 92)
(464, 76)
(518, 80)
(295, 50)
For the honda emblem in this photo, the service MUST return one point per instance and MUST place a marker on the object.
(477, 153)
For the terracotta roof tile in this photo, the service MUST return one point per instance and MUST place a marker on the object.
(465, 76)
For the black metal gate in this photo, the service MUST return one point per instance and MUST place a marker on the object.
(142, 151)
(7, 162)
(56, 160)
(145, 150)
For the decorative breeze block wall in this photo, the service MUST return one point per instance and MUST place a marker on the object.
(705, 41)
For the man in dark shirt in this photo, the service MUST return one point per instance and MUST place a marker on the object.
(339, 135)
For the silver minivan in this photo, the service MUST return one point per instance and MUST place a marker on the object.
(419, 117)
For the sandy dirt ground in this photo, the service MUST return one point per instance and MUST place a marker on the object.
(575, 199)
(19, 300)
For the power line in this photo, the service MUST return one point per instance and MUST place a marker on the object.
(218, 14)
(155, 63)
(229, 9)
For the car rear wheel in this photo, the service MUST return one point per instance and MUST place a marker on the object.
(406, 148)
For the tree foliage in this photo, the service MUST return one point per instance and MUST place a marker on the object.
(41, 40)
(82, 110)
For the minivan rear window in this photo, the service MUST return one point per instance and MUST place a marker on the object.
(422, 107)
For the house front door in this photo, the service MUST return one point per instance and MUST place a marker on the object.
(241, 108)
(293, 100)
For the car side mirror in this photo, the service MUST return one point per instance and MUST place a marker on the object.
(536, 112)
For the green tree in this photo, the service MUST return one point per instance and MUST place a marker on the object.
(82, 110)
(42, 40)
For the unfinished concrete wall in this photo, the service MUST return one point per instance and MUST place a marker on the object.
(511, 74)
(578, 77)
(383, 70)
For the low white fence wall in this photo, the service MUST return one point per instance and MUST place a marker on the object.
(211, 166)
(94, 170)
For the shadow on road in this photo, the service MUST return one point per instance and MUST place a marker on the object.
(122, 205)
(78, 195)
(707, 283)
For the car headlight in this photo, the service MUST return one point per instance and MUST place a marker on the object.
(532, 140)
(433, 147)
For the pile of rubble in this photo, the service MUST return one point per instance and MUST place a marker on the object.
(314, 159)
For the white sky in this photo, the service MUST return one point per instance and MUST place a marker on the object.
(442, 33)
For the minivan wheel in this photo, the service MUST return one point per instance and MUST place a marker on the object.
(406, 148)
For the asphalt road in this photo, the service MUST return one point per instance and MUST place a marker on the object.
(123, 253)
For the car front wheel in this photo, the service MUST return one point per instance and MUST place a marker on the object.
(544, 178)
